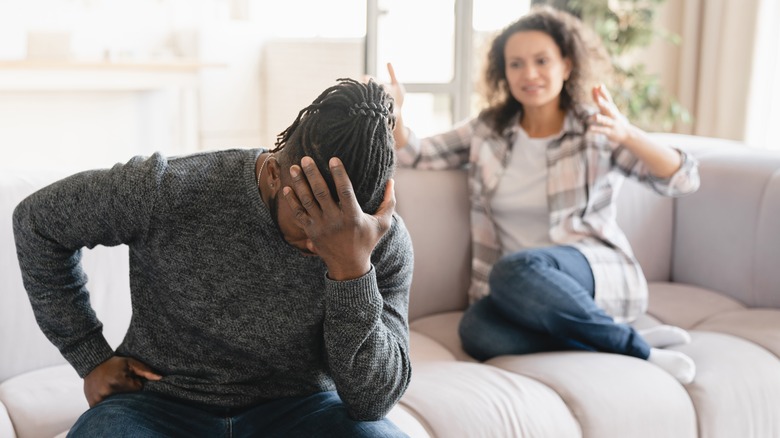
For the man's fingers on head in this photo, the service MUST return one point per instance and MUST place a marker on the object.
(316, 181)
(295, 205)
(384, 215)
(303, 190)
(342, 181)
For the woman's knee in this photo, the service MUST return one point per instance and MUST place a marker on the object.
(513, 270)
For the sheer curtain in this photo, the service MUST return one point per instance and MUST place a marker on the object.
(716, 64)
(764, 99)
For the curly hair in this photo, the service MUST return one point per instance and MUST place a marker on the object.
(353, 121)
(576, 42)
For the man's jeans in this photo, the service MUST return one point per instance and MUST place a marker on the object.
(143, 414)
(542, 300)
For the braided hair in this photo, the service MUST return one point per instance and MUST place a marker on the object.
(353, 121)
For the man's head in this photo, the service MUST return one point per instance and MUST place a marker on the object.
(352, 121)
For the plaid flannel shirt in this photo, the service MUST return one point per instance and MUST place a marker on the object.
(585, 173)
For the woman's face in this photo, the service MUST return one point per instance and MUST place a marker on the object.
(535, 69)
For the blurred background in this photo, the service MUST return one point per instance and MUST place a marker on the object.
(88, 83)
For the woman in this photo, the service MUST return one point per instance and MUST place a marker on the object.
(551, 269)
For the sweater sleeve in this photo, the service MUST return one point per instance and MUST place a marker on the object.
(367, 329)
(51, 227)
(448, 150)
(683, 182)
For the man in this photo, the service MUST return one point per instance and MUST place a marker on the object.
(252, 316)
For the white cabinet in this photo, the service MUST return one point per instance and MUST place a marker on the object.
(93, 114)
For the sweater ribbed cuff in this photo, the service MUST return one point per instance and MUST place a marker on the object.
(87, 355)
(356, 292)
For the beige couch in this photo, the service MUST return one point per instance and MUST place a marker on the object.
(713, 260)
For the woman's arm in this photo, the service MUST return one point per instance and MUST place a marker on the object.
(669, 171)
(448, 150)
(661, 161)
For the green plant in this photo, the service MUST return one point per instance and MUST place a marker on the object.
(625, 26)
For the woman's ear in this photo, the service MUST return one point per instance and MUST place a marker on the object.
(567, 68)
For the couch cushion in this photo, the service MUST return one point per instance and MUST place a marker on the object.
(760, 326)
(44, 402)
(686, 306)
(459, 399)
(424, 349)
(736, 391)
(6, 427)
(407, 422)
(443, 328)
(611, 395)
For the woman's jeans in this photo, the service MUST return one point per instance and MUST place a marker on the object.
(542, 300)
(144, 414)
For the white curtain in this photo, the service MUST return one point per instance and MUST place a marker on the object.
(716, 64)
(763, 117)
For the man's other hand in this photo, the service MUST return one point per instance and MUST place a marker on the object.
(115, 375)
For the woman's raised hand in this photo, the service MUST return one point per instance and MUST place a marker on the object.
(397, 90)
(609, 121)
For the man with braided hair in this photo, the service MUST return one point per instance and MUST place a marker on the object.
(251, 316)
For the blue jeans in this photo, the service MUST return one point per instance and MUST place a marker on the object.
(542, 300)
(144, 414)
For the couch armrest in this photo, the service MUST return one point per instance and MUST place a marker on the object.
(727, 235)
(44, 402)
(6, 427)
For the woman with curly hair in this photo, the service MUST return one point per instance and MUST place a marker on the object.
(551, 269)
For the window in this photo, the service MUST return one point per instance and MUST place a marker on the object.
(437, 48)
(764, 102)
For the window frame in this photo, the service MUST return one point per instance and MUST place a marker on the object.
(461, 87)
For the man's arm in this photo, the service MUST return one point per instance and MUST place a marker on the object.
(51, 226)
(367, 332)
(369, 262)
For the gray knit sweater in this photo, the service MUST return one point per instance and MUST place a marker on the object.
(223, 307)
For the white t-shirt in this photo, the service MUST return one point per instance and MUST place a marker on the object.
(519, 204)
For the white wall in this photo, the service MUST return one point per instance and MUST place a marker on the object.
(296, 71)
(233, 107)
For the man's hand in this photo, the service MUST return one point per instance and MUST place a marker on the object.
(338, 230)
(117, 374)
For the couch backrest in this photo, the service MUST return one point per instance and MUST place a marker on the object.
(725, 237)
(434, 205)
